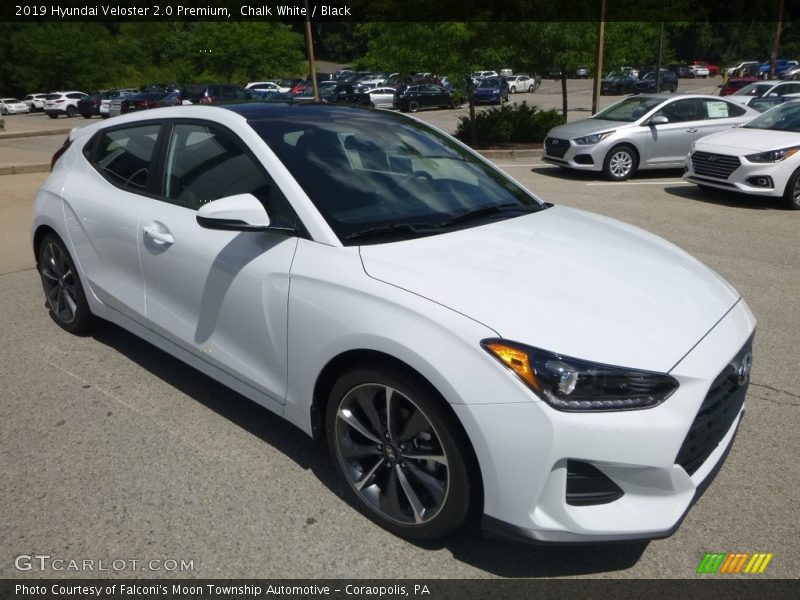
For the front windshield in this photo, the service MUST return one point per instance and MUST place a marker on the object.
(614, 74)
(368, 171)
(754, 89)
(630, 109)
(782, 118)
(489, 83)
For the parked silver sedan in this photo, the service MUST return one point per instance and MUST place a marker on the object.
(382, 97)
(652, 131)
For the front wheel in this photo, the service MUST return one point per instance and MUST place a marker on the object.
(413, 106)
(620, 163)
(71, 111)
(512, 90)
(62, 287)
(52, 115)
(399, 451)
(792, 193)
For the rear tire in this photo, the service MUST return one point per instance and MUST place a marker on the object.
(52, 115)
(792, 192)
(63, 291)
(378, 419)
(620, 163)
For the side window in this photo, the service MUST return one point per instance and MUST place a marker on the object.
(681, 111)
(123, 156)
(205, 163)
(719, 109)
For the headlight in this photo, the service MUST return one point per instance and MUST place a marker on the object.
(592, 139)
(772, 155)
(571, 384)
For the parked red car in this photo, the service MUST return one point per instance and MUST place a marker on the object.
(734, 84)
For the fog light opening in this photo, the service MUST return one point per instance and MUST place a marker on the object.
(588, 486)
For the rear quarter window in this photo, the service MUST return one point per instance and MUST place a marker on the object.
(124, 156)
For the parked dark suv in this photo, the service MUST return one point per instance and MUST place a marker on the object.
(211, 93)
(648, 83)
(414, 97)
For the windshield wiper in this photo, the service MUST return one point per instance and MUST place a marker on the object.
(490, 209)
(414, 228)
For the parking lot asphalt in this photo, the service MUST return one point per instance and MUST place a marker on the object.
(110, 449)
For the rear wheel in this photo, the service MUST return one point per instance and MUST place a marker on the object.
(62, 286)
(620, 163)
(399, 451)
(87, 116)
(792, 193)
(52, 115)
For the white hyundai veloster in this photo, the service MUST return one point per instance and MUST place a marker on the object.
(465, 347)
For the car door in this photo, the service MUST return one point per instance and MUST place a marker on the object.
(689, 119)
(109, 197)
(221, 295)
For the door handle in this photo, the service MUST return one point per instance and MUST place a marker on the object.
(693, 130)
(158, 233)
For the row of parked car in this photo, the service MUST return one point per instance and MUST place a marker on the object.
(721, 143)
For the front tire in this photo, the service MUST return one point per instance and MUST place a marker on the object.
(620, 163)
(413, 106)
(399, 451)
(63, 291)
(71, 111)
(792, 192)
(52, 115)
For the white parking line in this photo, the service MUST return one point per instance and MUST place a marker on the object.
(671, 181)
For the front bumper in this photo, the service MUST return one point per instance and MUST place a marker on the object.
(523, 450)
(585, 158)
(759, 179)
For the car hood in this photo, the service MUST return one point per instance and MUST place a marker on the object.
(567, 281)
(742, 141)
(584, 127)
(487, 91)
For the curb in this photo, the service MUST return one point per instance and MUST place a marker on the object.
(25, 134)
(22, 169)
(513, 153)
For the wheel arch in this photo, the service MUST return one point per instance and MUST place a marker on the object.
(365, 358)
(41, 232)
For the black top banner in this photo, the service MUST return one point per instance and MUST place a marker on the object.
(404, 10)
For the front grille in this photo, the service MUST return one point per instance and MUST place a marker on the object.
(717, 413)
(556, 147)
(714, 165)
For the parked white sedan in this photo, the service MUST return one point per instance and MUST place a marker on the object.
(462, 345)
(382, 97)
(12, 106)
(761, 157)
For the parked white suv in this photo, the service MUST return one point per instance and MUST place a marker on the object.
(35, 101)
(63, 103)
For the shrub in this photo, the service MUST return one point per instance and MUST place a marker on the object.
(510, 123)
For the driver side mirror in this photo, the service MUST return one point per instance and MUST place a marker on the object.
(242, 212)
(658, 120)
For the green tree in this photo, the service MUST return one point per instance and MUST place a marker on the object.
(52, 56)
